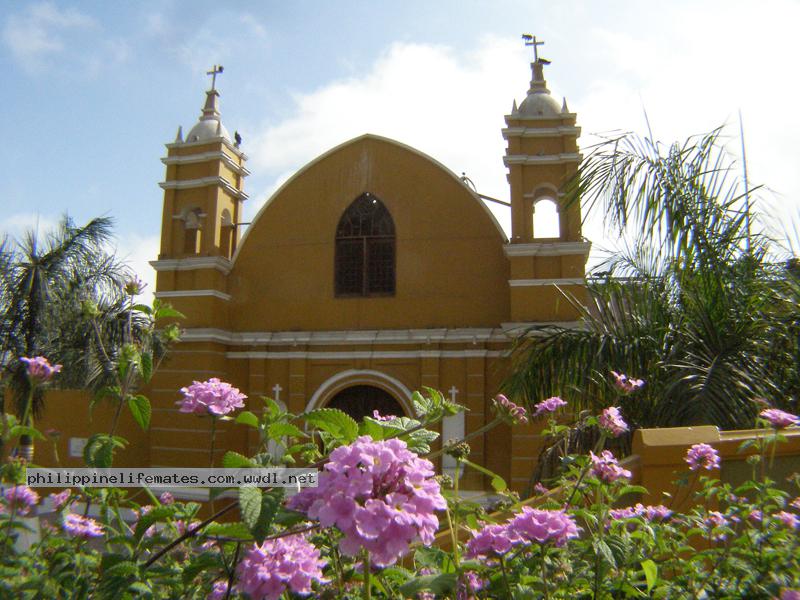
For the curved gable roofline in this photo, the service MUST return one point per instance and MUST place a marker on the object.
(353, 141)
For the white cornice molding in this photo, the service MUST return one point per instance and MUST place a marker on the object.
(205, 157)
(346, 337)
(365, 355)
(548, 249)
(194, 294)
(536, 282)
(193, 263)
(559, 117)
(542, 132)
(208, 142)
(186, 184)
(543, 159)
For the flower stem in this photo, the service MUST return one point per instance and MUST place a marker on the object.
(505, 576)
(211, 449)
(367, 580)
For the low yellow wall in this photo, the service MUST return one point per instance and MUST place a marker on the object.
(67, 411)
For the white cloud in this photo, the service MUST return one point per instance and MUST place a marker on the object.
(425, 96)
(137, 251)
(38, 34)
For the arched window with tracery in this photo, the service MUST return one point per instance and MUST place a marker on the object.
(365, 250)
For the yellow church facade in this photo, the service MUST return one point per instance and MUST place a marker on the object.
(372, 272)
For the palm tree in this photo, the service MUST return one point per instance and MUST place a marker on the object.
(43, 283)
(693, 303)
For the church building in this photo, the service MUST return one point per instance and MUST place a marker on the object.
(372, 272)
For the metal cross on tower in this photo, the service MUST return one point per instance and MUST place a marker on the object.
(530, 40)
(215, 70)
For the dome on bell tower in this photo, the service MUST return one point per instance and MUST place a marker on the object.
(209, 126)
(539, 102)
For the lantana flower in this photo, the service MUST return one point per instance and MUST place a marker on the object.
(702, 456)
(491, 540)
(626, 385)
(612, 422)
(212, 397)
(548, 406)
(380, 495)
(82, 527)
(544, 526)
(60, 499)
(779, 419)
(789, 520)
(39, 369)
(288, 563)
(513, 413)
(606, 468)
(21, 499)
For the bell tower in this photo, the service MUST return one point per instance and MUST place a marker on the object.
(203, 198)
(547, 253)
(203, 187)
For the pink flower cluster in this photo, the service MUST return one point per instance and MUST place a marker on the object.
(779, 419)
(213, 397)
(82, 527)
(379, 417)
(491, 540)
(702, 456)
(60, 499)
(380, 495)
(550, 405)
(507, 409)
(39, 369)
(288, 563)
(612, 422)
(788, 519)
(21, 499)
(655, 513)
(530, 525)
(606, 468)
(626, 385)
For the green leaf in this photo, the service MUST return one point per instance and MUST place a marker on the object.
(259, 509)
(155, 515)
(334, 421)
(441, 585)
(273, 408)
(420, 440)
(230, 530)
(250, 505)
(142, 308)
(372, 428)
(147, 366)
(601, 548)
(650, 572)
(279, 430)
(270, 503)
(422, 405)
(19, 430)
(162, 310)
(247, 418)
(234, 460)
(140, 409)
(99, 451)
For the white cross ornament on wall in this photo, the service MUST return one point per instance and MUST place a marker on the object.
(277, 389)
(453, 393)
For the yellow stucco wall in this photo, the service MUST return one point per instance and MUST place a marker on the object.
(451, 271)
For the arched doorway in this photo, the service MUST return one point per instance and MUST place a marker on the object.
(360, 401)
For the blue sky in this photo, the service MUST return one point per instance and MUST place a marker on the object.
(93, 90)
